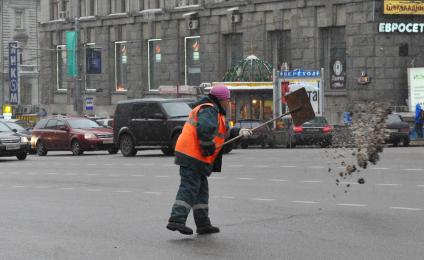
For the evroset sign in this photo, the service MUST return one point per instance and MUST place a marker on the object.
(401, 27)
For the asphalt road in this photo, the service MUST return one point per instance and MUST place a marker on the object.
(269, 204)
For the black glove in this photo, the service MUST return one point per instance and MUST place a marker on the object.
(207, 148)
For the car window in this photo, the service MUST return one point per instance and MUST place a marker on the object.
(318, 120)
(4, 128)
(51, 124)
(15, 126)
(59, 124)
(82, 123)
(109, 123)
(176, 109)
(139, 110)
(393, 119)
(41, 124)
(152, 109)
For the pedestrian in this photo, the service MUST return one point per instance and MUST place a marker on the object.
(419, 119)
(198, 153)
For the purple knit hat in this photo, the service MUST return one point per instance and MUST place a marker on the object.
(221, 92)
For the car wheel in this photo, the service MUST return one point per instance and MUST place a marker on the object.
(112, 150)
(395, 143)
(126, 144)
(170, 150)
(21, 155)
(76, 148)
(406, 142)
(41, 149)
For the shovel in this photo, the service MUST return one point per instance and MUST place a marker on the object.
(300, 109)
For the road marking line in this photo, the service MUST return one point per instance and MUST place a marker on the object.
(51, 173)
(18, 186)
(92, 174)
(348, 182)
(162, 176)
(376, 168)
(67, 188)
(413, 170)
(261, 166)
(288, 166)
(351, 205)
(235, 165)
(137, 175)
(122, 191)
(312, 181)
(153, 192)
(114, 175)
(93, 189)
(129, 164)
(420, 185)
(261, 199)
(387, 184)
(411, 209)
(246, 179)
(42, 187)
(277, 180)
(91, 164)
(316, 167)
(305, 201)
(108, 164)
(217, 178)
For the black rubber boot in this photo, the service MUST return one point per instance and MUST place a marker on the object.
(182, 228)
(209, 229)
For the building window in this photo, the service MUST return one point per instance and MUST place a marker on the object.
(154, 62)
(192, 60)
(19, 19)
(150, 4)
(61, 82)
(233, 46)
(54, 9)
(118, 6)
(334, 56)
(181, 3)
(280, 48)
(121, 66)
(88, 7)
(90, 84)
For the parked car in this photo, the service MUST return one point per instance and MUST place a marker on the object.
(314, 132)
(107, 122)
(259, 137)
(76, 134)
(12, 144)
(397, 130)
(149, 123)
(20, 130)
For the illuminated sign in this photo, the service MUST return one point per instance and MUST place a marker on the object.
(402, 7)
(401, 27)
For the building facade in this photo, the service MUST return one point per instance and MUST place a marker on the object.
(19, 23)
(145, 45)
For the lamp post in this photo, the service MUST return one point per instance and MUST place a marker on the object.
(77, 77)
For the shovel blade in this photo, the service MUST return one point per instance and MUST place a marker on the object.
(300, 106)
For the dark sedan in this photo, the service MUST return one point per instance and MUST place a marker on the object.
(11, 144)
(314, 132)
(397, 130)
(20, 130)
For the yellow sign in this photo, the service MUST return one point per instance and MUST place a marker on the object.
(403, 7)
(7, 109)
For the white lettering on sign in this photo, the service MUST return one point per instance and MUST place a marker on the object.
(401, 27)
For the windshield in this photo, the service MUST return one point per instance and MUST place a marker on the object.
(318, 120)
(177, 109)
(4, 128)
(393, 119)
(83, 123)
(15, 126)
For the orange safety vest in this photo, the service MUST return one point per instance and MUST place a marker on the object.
(189, 144)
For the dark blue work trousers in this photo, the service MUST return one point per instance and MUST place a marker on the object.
(192, 193)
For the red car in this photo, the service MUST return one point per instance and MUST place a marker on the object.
(76, 134)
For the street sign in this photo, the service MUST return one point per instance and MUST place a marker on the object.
(89, 103)
(13, 73)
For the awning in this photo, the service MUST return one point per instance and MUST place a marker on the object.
(244, 86)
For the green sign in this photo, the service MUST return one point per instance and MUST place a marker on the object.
(71, 47)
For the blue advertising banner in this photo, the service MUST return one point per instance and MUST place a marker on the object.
(300, 74)
(94, 61)
(13, 73)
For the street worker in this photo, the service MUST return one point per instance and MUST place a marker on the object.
(198, 153)
(419, 120)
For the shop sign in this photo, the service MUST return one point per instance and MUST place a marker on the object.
(13, 73)
(364, 79)
(401, 27)
(300, 74)
(402, 7)
(415, 87)
(158, 55)
(89, 103)
(338, 76)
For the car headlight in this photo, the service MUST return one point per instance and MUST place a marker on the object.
(24, 139)
(90, 136)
